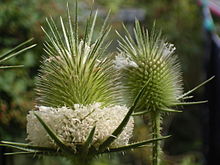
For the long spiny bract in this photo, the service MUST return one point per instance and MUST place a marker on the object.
(14, 52)
(74, 70)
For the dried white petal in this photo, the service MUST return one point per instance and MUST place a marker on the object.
(122, 62)
(169, 48)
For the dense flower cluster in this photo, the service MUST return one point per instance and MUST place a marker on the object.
(74, 126)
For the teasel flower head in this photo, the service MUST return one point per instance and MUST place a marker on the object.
(74, 126)
(152, 61)
(76, 71)
(77, 115)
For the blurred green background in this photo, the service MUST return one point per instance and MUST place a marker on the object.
(179, 20)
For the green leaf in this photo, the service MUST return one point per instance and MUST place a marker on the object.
(169, 110)
(11, 66)
(27, 146)
(32, 151)
(124, 122)
(22, 153)
(19, 148)
(29, 149)
(3, 56)
(190, 103)
(187, 97)
(89, 139)
(7, 56)
(141, 113)
(14, 52)
(195, 88)
(134, 145)
(53, 136)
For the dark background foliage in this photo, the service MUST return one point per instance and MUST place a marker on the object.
(179, 20)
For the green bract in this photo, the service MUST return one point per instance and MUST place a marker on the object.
(14, 52)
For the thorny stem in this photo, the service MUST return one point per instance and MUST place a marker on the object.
(156, 150)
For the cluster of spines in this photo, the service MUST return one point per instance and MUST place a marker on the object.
(156, 67)
(74, 70)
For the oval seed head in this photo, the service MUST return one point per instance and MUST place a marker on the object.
(74, 70)
(150, 61)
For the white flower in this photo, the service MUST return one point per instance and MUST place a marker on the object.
(168, 49)
(74, 126)
(122, 62)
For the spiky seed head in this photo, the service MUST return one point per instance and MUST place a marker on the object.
(149, 60)
(75, 71)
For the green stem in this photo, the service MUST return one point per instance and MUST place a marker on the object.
(81, 160)
(156, 150)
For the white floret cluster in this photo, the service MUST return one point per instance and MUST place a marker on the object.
(121, 61)
(74, 126)
(168, 49)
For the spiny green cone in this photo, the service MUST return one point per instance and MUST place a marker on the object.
(74, 70)
(151, 61)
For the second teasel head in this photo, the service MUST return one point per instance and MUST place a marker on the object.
(149, 60)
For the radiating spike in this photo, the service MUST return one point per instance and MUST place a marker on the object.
(195, 88)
